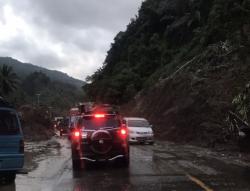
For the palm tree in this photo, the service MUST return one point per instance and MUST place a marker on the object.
(8, 80)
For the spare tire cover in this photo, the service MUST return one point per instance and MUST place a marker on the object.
(101, 142)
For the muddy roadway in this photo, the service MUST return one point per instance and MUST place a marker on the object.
(163, 166)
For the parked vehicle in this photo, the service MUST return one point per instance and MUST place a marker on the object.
(63, 126)
(73, 121)
(140, 131)
(11, 143)
(100, 137)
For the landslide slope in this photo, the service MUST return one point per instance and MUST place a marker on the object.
(180, 63)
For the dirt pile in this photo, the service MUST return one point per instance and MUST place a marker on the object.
(192, 104)
(36, 123)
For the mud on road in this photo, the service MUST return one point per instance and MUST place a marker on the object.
(163, 166)
(38, 151)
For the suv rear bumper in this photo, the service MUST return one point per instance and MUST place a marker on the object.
(102, 160)
(86, 153)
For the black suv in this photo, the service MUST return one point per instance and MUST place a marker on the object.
(63, 126)
(100, 137)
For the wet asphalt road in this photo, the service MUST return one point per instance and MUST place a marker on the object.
(163, 166)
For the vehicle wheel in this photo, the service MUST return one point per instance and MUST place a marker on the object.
(60, 133)
(10, 178)
(151, 143)
(76, 164)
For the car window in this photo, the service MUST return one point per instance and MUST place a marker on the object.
(138, 123)
(92, 123)
(74, 120)
(8, 123)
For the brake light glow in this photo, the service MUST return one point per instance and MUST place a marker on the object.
(123, 132)
(77, 134)
(99, 115)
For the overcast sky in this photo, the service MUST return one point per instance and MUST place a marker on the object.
(72, 36)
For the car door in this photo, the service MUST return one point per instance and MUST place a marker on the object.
(11, 139)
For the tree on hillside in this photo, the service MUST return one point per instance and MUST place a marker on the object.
(8, 80)
(36, 82)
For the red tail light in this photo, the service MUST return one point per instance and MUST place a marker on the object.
(99, 115)
(76, 134)
(123, 132)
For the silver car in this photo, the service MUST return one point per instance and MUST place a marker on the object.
(140, 131)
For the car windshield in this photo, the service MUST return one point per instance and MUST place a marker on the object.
(74, 118)
(138, 123)
(8, 123)
(92, 123)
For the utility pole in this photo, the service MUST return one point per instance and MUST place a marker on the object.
(50, 112)
(38, 99)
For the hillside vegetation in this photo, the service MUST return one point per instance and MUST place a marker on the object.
(24, 69)
(26, 84)
(181, 64)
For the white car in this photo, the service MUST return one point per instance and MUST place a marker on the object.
(140, 131)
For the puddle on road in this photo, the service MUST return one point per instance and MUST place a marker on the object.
(49, 158)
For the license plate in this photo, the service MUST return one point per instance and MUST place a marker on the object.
(101, 160)
(141, 138)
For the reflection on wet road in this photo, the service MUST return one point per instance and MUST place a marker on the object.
(163, 166)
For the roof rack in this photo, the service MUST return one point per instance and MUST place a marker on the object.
(106, 108)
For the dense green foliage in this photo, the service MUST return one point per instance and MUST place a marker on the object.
(60, 96)
(24, 69)
(22, 89)
(8, 80)
(241, 103)
(164, 35)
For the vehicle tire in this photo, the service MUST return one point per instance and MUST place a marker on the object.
(10, 178)
(76, 164)
(76, 161)
(60, 133)
(151, 143)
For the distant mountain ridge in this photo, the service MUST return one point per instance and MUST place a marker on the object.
(24, 69)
